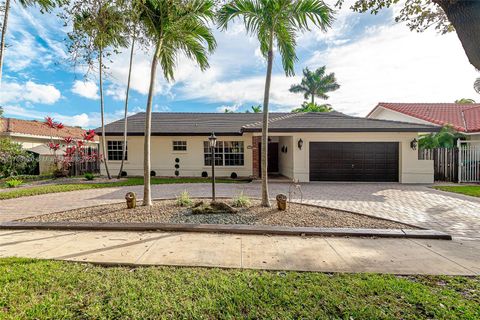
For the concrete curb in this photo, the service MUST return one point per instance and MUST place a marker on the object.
(233, 229)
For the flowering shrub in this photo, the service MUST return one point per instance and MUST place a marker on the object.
(74, 150)
(13, 159)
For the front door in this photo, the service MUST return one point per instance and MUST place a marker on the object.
(272, 158)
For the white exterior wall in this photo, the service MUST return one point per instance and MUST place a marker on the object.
(387, 114)
(191, 161)
(285, 159)
(411, 170)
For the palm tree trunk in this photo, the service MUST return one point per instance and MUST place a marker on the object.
(313, 98)
(266, 98)
(147, 191)
(125, 128)
(4, 32)
(102, 116)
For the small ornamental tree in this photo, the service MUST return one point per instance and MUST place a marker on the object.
(14, 160)
(69, 151)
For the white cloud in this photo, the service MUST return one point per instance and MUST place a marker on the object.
(86, 89)
(394, 64)
(29, 92)
(231, 108)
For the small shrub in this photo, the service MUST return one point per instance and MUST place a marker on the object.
(183, 200)
(234, 175)
(204, 174)
(241, 201)
(13, 183)
(89, 176)
(153, 174)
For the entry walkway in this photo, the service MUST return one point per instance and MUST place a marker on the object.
(398, 256)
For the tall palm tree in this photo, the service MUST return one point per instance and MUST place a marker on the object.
(99, 25)
(316, 84)
(275, 22)
(257, 109)
(175, 27)
(45, 5)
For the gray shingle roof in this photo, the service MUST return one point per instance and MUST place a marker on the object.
(164, 123)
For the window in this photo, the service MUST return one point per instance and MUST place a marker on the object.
(179, 145)
(227, 153)
(114, 150)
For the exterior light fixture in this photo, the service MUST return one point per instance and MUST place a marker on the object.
(300, 144)
(413, 144)
(213, 143)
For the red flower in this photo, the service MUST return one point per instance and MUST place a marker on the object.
(60, 125)
(70, 151)
(52, 124)
(89, 135)
(68, 140)
(54, 146)
(80, 143)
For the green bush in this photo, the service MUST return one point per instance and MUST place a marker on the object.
(13, 183)
(183, 200)
(241, 201)
(89, 176)
(14, 160)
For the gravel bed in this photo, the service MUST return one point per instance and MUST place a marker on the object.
(167, 211)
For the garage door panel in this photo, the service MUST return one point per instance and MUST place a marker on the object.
(354, 161)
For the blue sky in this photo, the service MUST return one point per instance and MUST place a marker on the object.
(374, 59)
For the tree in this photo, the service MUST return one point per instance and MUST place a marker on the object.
(446, 15)
(465, 101)
(175, 27)
(316, 84)
(257, 109)
(98, 27)
(45, 5)
(446, 138)
(14, 159)
(312, 107)
(275, 22)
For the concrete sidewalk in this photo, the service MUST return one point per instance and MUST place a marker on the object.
(399, 256)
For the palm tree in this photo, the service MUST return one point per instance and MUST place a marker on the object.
(45, 5)
(465, 101)
(275, 22)
(98, 26)
(175, 27)
(316, 84)
(313, 107)
(257, 109)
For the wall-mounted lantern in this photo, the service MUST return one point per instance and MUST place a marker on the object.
(413, 144)
(300, 144)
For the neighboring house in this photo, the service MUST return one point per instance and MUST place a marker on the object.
(34, 136)
(464, 118)
(302, 146)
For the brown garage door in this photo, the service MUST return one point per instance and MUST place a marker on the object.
(354, 161)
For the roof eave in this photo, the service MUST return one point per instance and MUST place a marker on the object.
(432, 129)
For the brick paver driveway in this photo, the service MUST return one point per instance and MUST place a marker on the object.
(419, 205)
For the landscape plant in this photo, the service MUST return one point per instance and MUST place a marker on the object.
(184, 200)
(14, 160)
(13, 183)
(316, 84)
(69, 150)
(275, 23)
(241, 201)
(175, 28)
(89, 176)
(313, 107)
(446, 138)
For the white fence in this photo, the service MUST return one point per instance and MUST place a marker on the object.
(468, 161)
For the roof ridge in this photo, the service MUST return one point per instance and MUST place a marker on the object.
(270, 120)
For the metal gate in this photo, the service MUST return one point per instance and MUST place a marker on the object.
(468, 161)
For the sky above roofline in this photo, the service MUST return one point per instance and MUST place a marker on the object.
(374, 60)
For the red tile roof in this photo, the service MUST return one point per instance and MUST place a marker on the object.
(37, 128)
(463, 117)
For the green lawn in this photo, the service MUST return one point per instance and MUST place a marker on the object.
(54, 188)
(467, 190)
(35, 289)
